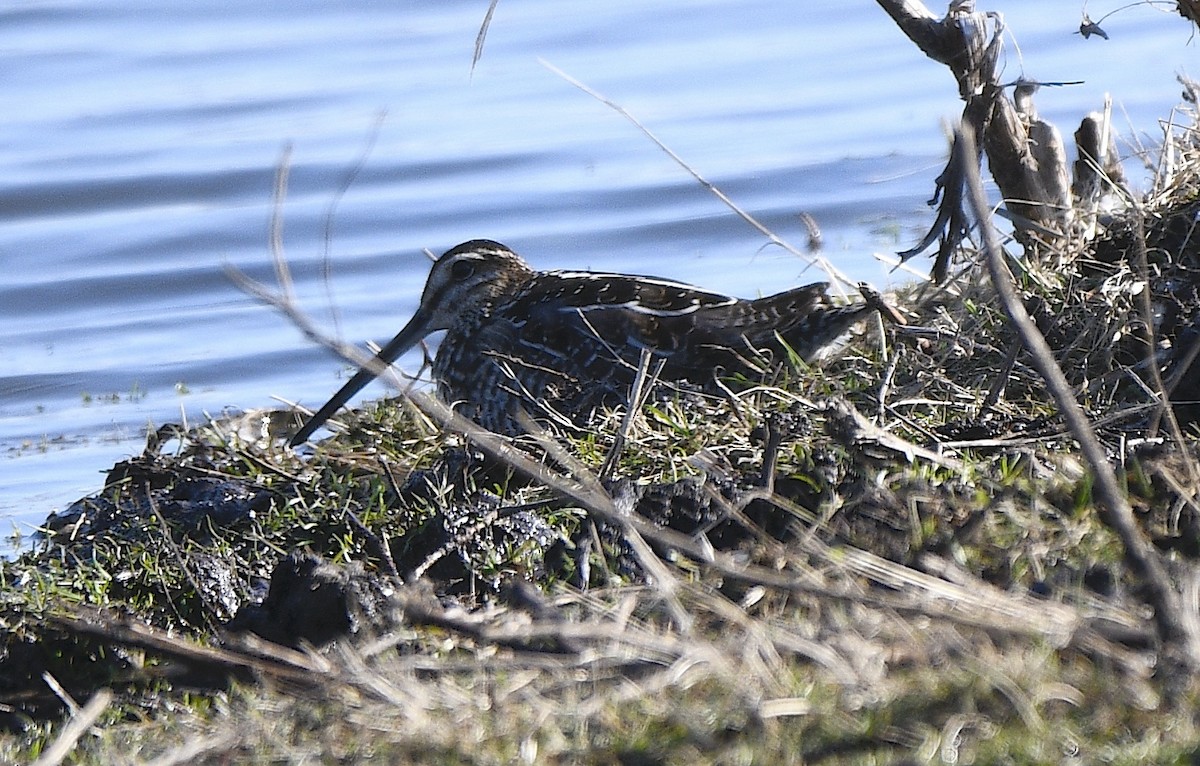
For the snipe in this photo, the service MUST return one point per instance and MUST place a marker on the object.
(562, 343)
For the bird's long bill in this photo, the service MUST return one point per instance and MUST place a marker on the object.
(404, 340)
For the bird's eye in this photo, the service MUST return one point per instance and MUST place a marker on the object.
(460, 270)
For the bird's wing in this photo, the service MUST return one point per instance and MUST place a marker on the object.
(620, 312)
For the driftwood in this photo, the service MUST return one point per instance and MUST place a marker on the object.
(1025, 153)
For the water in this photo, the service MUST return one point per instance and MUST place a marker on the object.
(142, 139)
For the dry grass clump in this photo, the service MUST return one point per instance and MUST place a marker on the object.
(1115, 298)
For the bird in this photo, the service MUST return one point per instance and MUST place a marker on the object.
(560, 344)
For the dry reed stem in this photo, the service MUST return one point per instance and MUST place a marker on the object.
(76, 727)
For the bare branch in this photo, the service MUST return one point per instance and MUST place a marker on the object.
(283, 273)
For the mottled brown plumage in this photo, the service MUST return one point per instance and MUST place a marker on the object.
(560, 343)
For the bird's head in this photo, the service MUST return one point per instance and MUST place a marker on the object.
(466, 282)
(462, 287)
